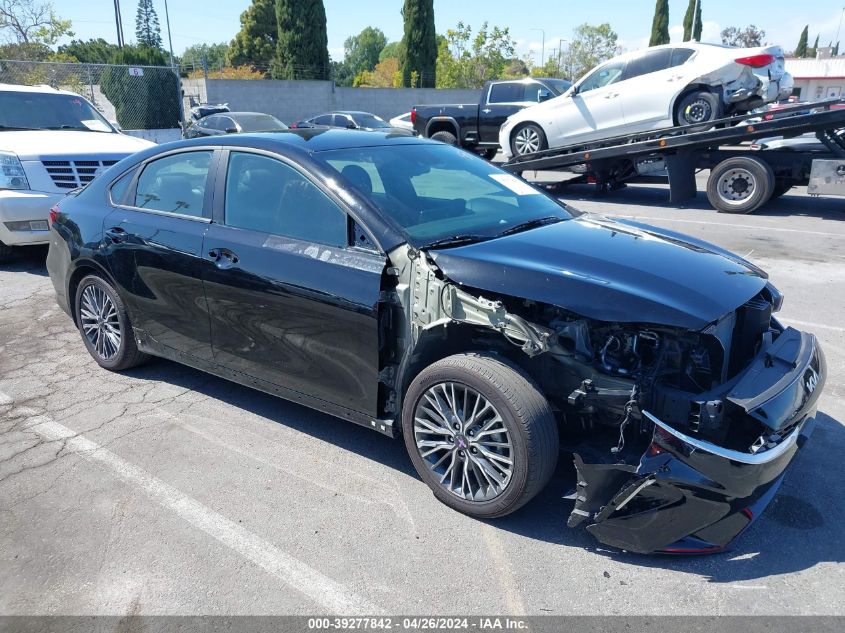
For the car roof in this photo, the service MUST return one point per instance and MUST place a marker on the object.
(42, 89)
(307, 140)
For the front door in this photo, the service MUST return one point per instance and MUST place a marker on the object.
(153, 247)
(290, 301)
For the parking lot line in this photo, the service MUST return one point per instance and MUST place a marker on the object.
(821, 326)
(322, 590)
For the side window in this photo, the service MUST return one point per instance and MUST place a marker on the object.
(506, 93)
(226, 123)
(603, 76)
(118, 189)
(266, 195)
(211, 123)
(648, 62)
(681, 55)
(532, 92)
(341, 120)
(175, 183)
(325, 119)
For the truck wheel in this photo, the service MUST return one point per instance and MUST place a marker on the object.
(6, 252)
(697, 107)
(488, 154)
(527, 139)
(445, 137)
(740, 185)
(480, 434)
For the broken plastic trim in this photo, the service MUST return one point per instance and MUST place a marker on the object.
(763, 457)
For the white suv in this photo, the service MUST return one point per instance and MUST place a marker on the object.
(51, 142)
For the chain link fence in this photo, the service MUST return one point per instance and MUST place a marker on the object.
(135, 97)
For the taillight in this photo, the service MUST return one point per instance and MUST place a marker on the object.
(756, 61)
(413, 116)
(54, 214)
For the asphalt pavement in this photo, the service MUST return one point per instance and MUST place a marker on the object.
(164, 490)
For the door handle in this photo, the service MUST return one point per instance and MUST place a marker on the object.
(675, 78)
(486, 110)
(116, 234)
(611, 95)
(223, 257)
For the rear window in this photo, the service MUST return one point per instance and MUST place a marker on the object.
(506, 93)
(648, 62)
(260, 123)
(681, 55)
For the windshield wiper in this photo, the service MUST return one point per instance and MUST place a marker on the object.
(20, 129)
(531, 224)
(457, 240)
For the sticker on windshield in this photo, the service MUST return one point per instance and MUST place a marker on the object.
(95, 125)
(519, 187)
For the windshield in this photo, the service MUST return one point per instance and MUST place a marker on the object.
(370, 120)
(260, 123)
(40, 111)
(438, 192)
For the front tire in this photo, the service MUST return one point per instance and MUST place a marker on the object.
(480, 434)
(528, 139)
(104, 325)
(740, 185)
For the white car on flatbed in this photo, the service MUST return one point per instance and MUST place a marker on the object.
(651, 89)
(51, 142)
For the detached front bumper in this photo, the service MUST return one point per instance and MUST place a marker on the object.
(688, 495)
(23, 216)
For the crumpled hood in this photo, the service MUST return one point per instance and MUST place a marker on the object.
(36, 145)
(609, 270)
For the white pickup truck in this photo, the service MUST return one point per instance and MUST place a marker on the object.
(51, 142)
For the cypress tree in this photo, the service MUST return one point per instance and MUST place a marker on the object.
(418, 50)
(660, 25)
(147, 29)
(302, 49)
(690, 32)
(801, 49)
(812, 51)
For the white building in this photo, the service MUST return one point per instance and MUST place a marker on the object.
(817, 79)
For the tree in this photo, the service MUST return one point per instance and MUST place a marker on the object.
(418, 51)
(467, 61)
(386, 74)
(811, 52)
(660, 24)
(147, 29)
(205, 57)
(93, 51)
(590, 46)
(255, 43)
(390, 50)
(32, 22)
(801, 49)
(690, 32)
(302, 50)
(748, 37)
(362, 51)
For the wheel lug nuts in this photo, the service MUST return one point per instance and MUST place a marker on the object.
(461, 454)
(474, 450)
(457, 427)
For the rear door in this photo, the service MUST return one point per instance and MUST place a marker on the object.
(651, 81)
(290, 301)
(591, 112)
(154, 249)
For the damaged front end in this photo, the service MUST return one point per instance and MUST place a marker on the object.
(693, 494)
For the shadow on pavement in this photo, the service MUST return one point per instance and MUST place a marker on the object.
(27, 259)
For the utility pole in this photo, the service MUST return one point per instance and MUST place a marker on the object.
(118, 22)
(695, 19)
(838, 30)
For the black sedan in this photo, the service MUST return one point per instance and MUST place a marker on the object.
(234, 123)
(415, 289)
(351, 120)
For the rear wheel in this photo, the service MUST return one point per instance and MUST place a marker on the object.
(480, 434)
(527, 139)
(740, 185)
(104, 325)
(445, 137)
(699, 107)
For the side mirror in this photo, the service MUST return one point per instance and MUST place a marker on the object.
(573, 91)
(543, 95)
(231, 130)
(351, 126)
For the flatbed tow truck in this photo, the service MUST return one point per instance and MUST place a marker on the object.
(742, 178)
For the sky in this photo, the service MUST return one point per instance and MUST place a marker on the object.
(218, 20)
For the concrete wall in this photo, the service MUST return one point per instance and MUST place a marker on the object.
(292, 101)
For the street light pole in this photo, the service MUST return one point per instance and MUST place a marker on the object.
(694, 20)
(543, 50)
(118, 22)
(169, 39)
(838, 30)
(560, 54)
